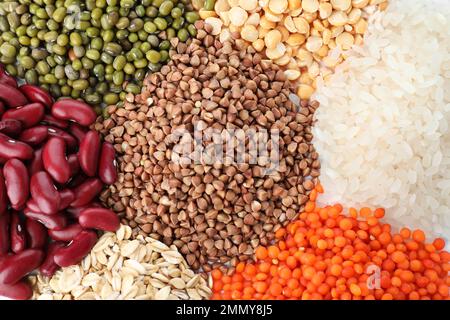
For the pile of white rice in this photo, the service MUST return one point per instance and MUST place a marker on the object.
(382, 128)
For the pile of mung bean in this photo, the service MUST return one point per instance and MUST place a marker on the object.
(97, 50)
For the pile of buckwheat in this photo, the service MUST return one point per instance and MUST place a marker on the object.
(213, 211)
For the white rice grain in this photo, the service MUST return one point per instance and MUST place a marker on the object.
(382, 128)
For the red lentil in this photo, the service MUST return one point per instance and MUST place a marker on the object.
(327, 254)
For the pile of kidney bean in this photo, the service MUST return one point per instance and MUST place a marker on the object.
(52, 168)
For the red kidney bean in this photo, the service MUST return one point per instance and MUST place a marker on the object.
(29, 115)
(99, 218)
(45, 193)
(54, 221)
(67, 234)
(76, 212)
(49, 267)
(3, 195)
(17, 183)
(37, 234)
(12, 96)
(67, 197)
(36, 164)
(89, 152)
(54, 159)
(10, 127)
(10, 148)
(80, 246)
(36, 94)
(74, 110)
(86, 192)
(18, 235)
(8, 80)
(33, 206)
(15, 267)
(76, 180)
(71, 142)
(52, 121)
(2, 108)
(77, 131)
(74, 164)
(34, 136)
(107, 169)
(4, 233)
(18, 291)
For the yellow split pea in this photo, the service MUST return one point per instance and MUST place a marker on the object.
(295, 34)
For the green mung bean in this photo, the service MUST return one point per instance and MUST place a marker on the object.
(98, 51)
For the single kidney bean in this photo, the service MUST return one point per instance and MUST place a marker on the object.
(33, 206)
(29, 115)
(8, 80)
(37, 234)
(52, 121)
(99, 218)
(77, 180)
(74, 110)
(74, 164)
(54, 221)
(4, 233)
(36, 94)
(18, 291)
(36, 164)
(71, 142)
(107, 169)
(54, 159)
(49, 267)
(15, 267)
(18, 235)
(67, 196)
(75, 212)
(12, 96)
(34, 136)
(10, 148)
(89, 152)
(10, 127)
(3, 195)
(80, 246)
(67, 234)
(78, 131)
(86, 192)
(45, 193)
(17, 183)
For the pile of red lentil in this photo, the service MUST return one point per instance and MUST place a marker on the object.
(331, 254)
